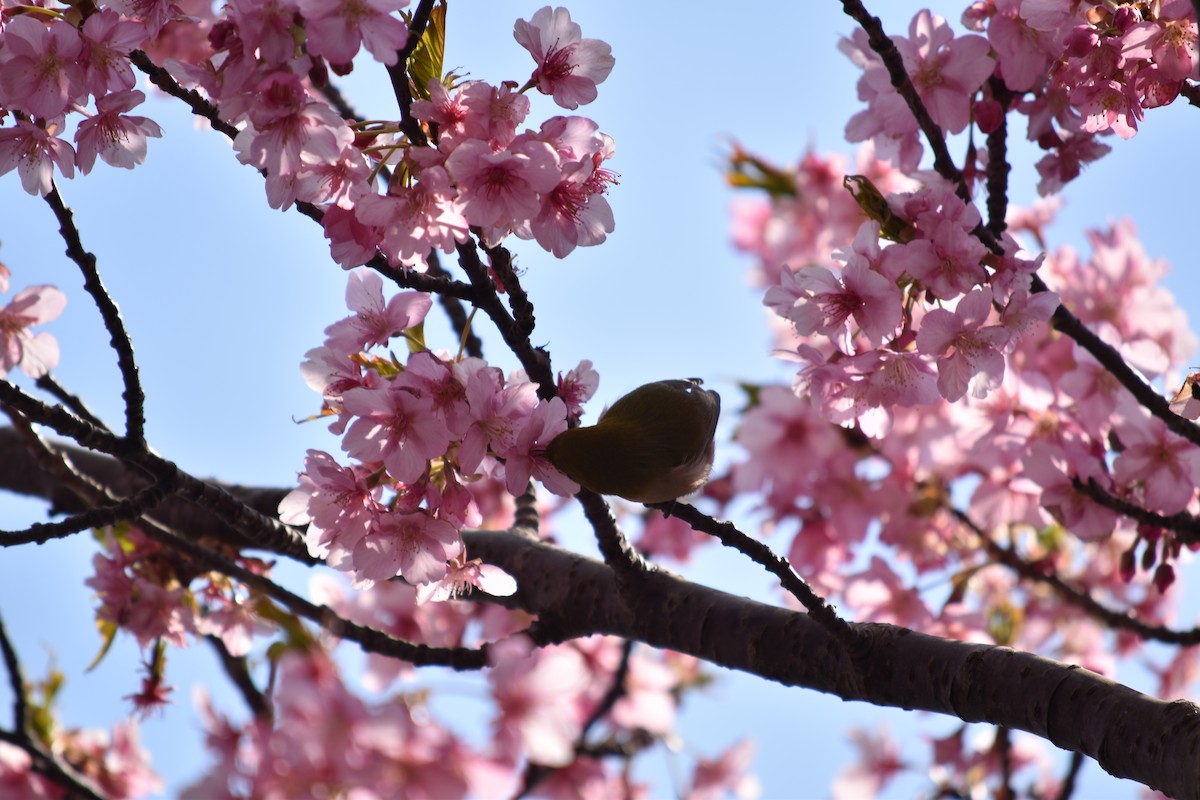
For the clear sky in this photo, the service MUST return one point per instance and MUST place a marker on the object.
(222, 297)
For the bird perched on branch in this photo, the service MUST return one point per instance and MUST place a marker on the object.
(653, 445)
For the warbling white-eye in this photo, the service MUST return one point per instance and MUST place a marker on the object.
(653, 445)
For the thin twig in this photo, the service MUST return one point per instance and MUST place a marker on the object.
(16, 681)
(1073, 596)
(997, 166)
(47, 383)
(398, 72)
(135, 398)
(535, 360)
(1003, 746)
(259, 529)
(128, 509)
(40, 759)
(1063, 320)
(760, 554)
(1186, 525)
(536, 773)
(235, 667)
(1069, 780)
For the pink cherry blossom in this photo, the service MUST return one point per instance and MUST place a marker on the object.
(119, 139)
(574, 213)
(462, 576)
(1066, 161)
(968, 352)
(40, 71)
(498, 190)
(448, 112)
(34, 354)
(498, 414)
(337, 28)
(878, 594)
(135, 602)
(415, 220)
(1166, 467)
(945, 71)
(108, 39)
(1108, 106)
(525, 457)
(879, 763)
(1051, 466)
(568, 66)
(283, 124)
(351, 242)
(492, 113)
(414, 545)
(337, 506)
(828, 303)
(1023, 51)
(34, 152)
(375, 322)
(947, 263)
(1170, 40)
(537, 694)
(394, 426)
(341, 180)
(725, 775)
(265, 29)
(578, 386)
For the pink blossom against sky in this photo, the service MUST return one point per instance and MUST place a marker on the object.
(671, 234)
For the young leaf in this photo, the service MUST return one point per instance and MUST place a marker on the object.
(425, 64)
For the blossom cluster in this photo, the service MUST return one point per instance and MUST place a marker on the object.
(1074, 70)
(140, 590)
(543, 697)
(420, 433)
(262, 65)
(114, 762)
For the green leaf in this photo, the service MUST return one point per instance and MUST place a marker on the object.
(415, 336)
(425, 64)
(108, 633)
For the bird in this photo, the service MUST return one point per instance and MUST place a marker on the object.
(653, 445)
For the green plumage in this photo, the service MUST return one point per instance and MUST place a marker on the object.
(654, 444)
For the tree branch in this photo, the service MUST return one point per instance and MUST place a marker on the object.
(1079, 598)
(41, 760)
(1129, 734)
(135, 398)
(1063, 320)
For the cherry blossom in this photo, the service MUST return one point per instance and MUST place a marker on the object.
(35, 152)
(374, 322)
(413, 545)
(945, 70)
(119, 139)
(498, 190)
(40, 71)
(338, 28)
(1164, 465)
(968, 352)
(568, 66)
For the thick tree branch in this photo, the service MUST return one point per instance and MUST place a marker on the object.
(728, 535)
(1129, 734)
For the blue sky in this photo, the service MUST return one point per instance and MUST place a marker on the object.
(223, 295)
